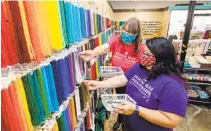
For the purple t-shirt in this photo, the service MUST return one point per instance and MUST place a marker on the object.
(164, 93)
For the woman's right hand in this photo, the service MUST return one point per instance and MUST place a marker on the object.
(87, 55)
(91, 84)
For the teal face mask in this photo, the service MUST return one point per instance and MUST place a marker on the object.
(128, 38)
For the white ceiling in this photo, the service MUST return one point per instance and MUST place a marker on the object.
(143, 4)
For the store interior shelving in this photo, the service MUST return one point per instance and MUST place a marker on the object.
(201, 84)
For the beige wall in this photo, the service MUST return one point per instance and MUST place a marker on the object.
(99, 6)
(166, 20)
(143, 16)
(102, 7)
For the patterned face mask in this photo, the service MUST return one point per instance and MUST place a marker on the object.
(147, 61)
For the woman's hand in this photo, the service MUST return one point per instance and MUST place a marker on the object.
(87, 55)
(126, 108)
(91, 84)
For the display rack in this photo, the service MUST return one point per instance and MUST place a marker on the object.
(74, 40)
(48, 123)
(54, 56)
(198, 69)
(198, 101)
(202, 85)
(196, 82)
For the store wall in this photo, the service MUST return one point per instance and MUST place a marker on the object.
(178, 20)
(99, 6)
(166, 20)
(162, 16)
(143, 16)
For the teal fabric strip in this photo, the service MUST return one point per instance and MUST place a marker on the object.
(197, 7)
(63, 23)
(46, 87)
(52, 87)
(69, 21)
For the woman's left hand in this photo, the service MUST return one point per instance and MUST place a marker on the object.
(125, 108)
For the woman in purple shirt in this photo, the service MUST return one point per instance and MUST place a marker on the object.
(156, 86)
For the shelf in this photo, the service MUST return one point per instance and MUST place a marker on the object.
(49, 123)
(198, 83)
(59, 55)
(198, 69)
(199, 101)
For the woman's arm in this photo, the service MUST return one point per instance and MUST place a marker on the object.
(101, 49)
(161, 118)
(114, 82)
(89, 54)
(157, 117)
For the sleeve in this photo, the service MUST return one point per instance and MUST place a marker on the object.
(112, 43)
(173, 99)
(132, 71)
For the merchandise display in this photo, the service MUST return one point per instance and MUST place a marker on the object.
(197, 77)
(192, 94)
(33, 36)
(198, 61)
(43, 90)
(119, 23)
(207, 34)
(195, 92)
(197, 67)
(44, 94)
(195, 47)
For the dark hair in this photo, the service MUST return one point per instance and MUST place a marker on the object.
(172, 37)
(134, 27)
(165, 56)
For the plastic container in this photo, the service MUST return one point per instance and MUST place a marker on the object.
(110, 71)
(110, 100)
(192, 94)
